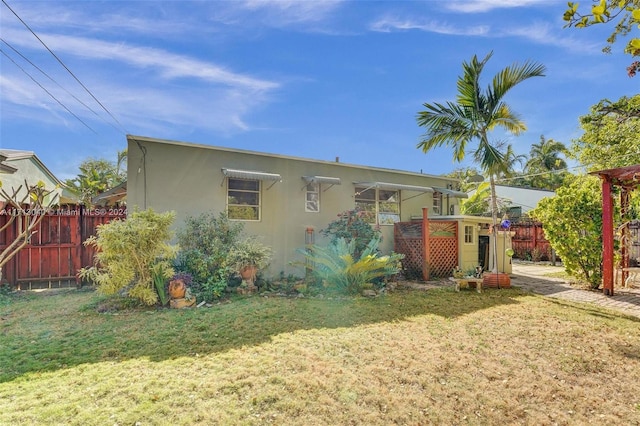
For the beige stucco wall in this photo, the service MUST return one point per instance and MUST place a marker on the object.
(187, 178)
(29, 169)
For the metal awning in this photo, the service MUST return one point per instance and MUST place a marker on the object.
(251, 174)
(322, 179)
(451, 192)
(394, 186)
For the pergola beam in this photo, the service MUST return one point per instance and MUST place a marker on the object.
(628, 179)
(607, 237)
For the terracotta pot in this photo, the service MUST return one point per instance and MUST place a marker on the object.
(492, 279)
(177, 289)
(248, 273)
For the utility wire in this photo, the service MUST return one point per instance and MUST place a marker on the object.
(48, 93)
(580, 166)
(57, 84)
(65, 67)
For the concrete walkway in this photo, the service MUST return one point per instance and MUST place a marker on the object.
(533, 278)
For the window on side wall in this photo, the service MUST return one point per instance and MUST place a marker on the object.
(243, 199)
(312, 201)
(380, 206)
(468, 234)
(437, 203)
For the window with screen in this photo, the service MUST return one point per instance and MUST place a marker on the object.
(243, 199)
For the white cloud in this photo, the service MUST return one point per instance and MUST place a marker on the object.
(479, 6)
(168, 64)
(543, 33)
(285, 12)
(389, 24)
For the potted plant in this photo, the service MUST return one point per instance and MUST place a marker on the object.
(247, 257)
(179, 290)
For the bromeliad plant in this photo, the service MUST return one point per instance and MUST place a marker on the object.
(340, 270)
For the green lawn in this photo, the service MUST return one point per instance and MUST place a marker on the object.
(411, 357)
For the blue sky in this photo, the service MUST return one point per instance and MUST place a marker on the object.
(315, 79)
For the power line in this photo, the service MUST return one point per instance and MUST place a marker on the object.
(48, 93)
(65, 67)
(56, 83)
(566, 169)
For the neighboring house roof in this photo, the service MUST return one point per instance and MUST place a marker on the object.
(12, 155)
(5, 168)
(111, 196)
(13, 159)
(515, 196)
(526, 198)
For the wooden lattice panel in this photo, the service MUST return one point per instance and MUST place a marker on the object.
(407, 237)
(443, 245)
(443, 248)
(412, 250)
(444, 256)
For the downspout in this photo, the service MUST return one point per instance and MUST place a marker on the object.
(143, 168)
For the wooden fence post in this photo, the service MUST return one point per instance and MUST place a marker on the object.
(426, 244)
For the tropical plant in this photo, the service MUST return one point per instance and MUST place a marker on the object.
(340, 270)
(610, 134)
(469, 177)
(248, 252)
(351, 225)
(606, 11)
(474, 114)
(130, 252)
(545, 166)
(478, 203)
(573, 226)
(160, 273)
(97, 176)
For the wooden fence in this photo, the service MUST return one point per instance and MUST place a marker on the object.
(56, 251)
(529, 242)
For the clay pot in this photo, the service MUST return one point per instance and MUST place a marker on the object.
(177, 289)
(248, 273)
(492, 279)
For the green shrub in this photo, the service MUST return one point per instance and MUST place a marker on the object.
(128, 252)
(205, 242)
(351, 226)
(5, 293)
(340, 270)
(573, 225)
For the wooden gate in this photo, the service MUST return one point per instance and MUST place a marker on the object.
(56, 251)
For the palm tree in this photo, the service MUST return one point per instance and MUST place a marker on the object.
(544, 163)
(474, 114)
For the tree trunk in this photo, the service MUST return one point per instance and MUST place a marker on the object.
(494, 218)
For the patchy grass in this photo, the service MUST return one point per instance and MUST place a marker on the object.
(411, 357)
